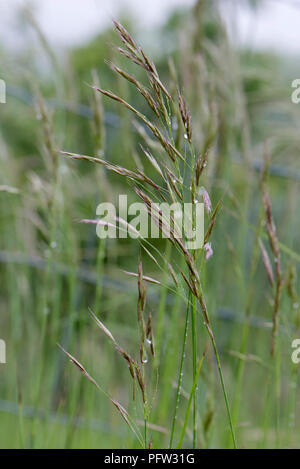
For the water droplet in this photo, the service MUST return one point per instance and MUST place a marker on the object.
(185, 136)
(53, 244)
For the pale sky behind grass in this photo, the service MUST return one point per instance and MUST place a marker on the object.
(67, 22)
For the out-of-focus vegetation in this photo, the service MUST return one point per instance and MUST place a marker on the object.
(53, 268)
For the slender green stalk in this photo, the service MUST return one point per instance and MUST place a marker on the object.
(224, 391)
(194, 345)
(240, 375)
(192, 395)
(214, 344)
(99, 268)
(245, 332)
(146, 414)
(168, 368)
(267, 411)
(180, 375)
(277, 392)
(292, 403)
(162, 304)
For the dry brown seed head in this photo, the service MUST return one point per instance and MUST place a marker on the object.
(79, 366)
(149, 334)
(101, 326)
(142, 89)
(140, 381)
(132, 57)
(124, 354)
(153, 161)
(122, 411)
(124, 35)
(201, 163)
(145, 277)
(172, 273)
(267, 262)
(185, 116)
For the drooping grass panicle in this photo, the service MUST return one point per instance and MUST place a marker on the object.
(123, 412)
(275, 249)
(142, 89)
(267, 262)
(139, 175)
(170, 175)
(80, 367)
(185, 116)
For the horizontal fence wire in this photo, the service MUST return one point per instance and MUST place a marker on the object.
(113, 121)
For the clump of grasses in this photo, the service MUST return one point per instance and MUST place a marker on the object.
(180, 168)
